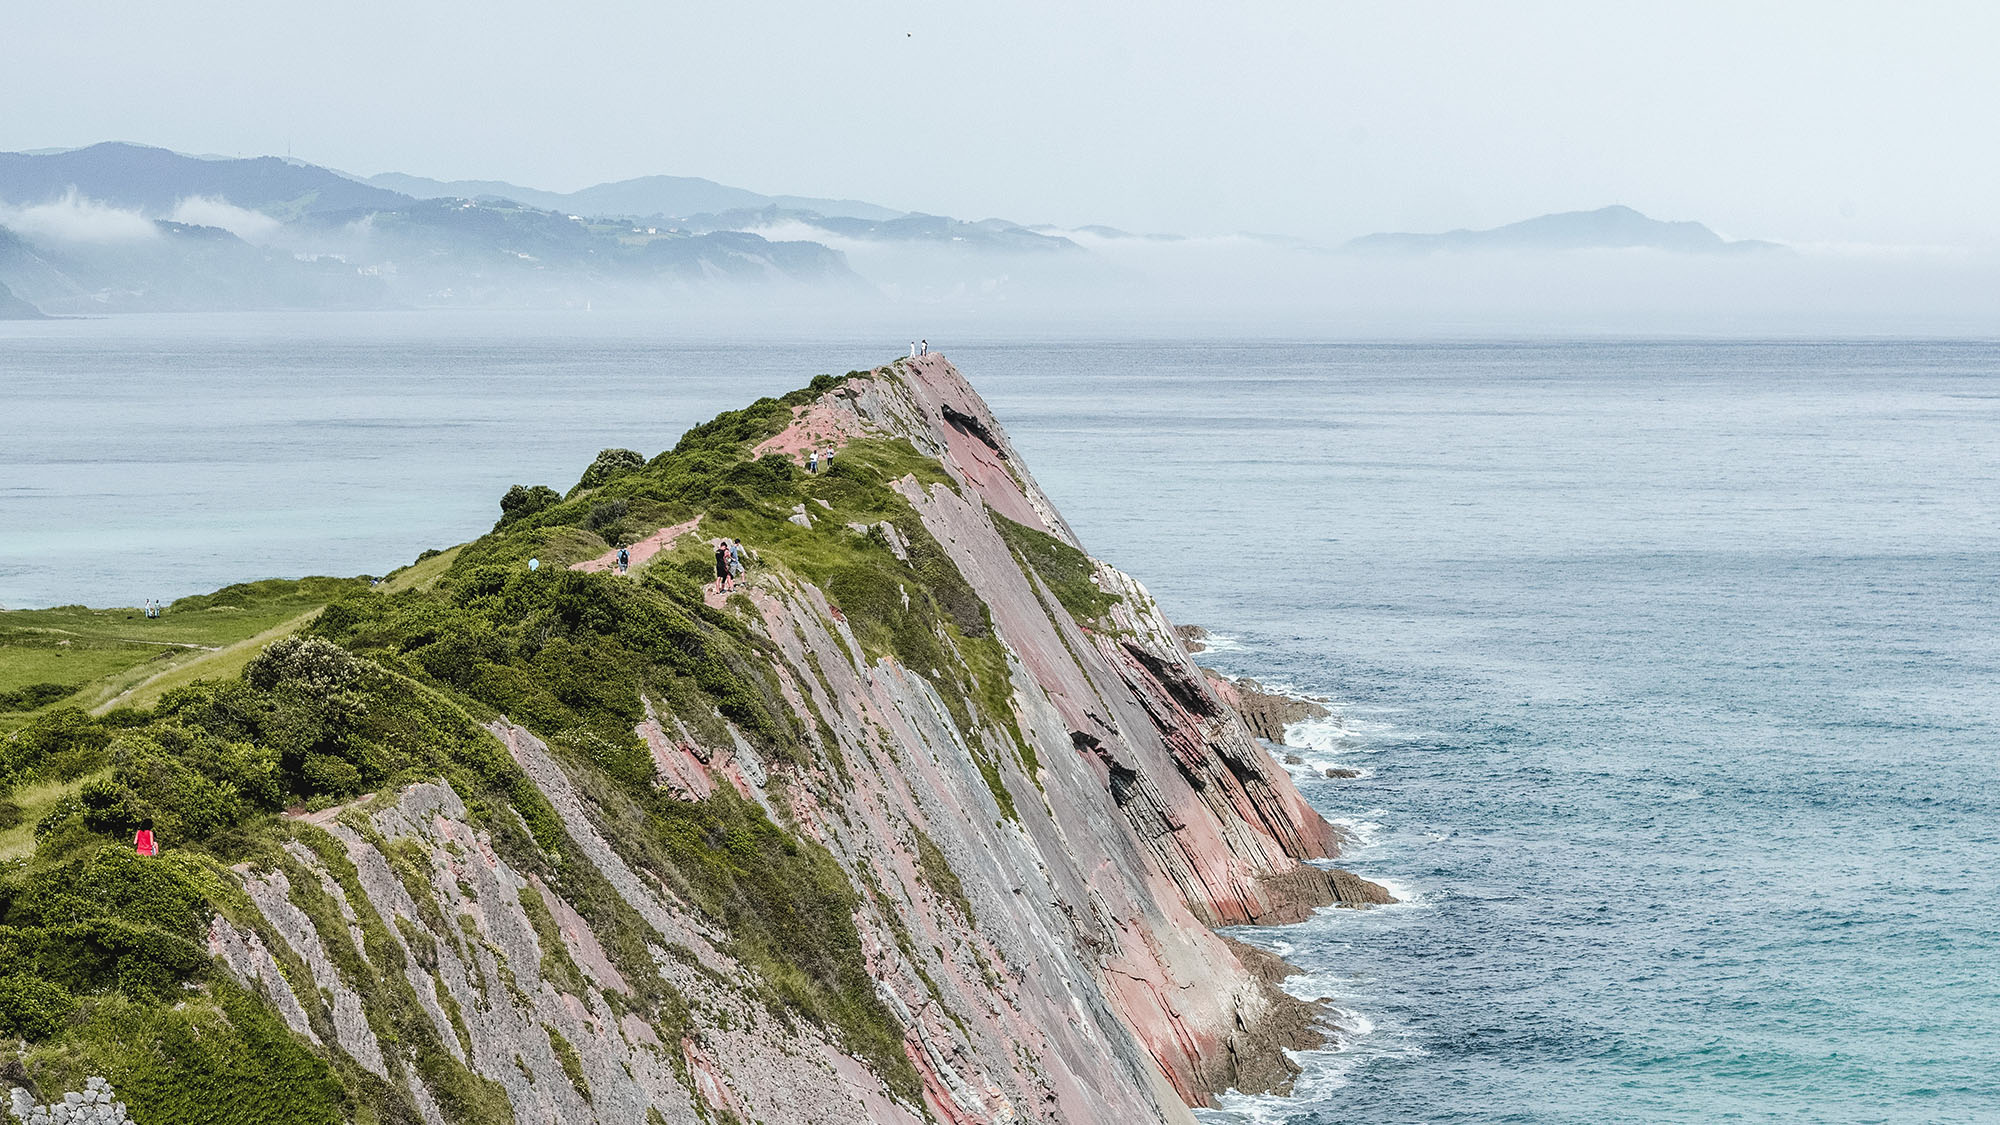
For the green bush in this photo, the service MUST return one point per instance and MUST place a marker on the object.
(609, 463)
(34, 696)
(65, 741)
(59, 816)
(33, 1009)
(522, 501)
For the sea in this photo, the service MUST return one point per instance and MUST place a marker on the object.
(1671, 667)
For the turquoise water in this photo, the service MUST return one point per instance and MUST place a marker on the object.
(1674, 667)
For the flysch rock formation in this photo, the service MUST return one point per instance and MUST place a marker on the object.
(1055, 961)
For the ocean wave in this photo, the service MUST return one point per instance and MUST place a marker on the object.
(1222, 642)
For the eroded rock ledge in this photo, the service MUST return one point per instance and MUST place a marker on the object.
(1266, 713)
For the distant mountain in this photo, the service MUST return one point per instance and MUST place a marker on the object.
(669, 197)
(1612, 227)
(128, 228)
(153, 180)
(14, 308)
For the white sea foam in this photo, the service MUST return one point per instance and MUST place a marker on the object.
(1360, 833)
(1353, 1041)
(1404, 894)
(1222, 642)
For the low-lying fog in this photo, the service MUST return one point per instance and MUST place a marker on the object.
(1110, 284)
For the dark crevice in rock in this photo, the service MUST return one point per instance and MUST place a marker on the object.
(1124, 783)
(1176, 680)
(967, 424)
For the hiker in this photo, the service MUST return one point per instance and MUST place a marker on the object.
(827, 458)
(913, 349)
(923, 347)
(736, 560)
(624, 560)
(721, 566)
(812, 461)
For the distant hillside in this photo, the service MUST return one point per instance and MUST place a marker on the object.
(676, 197)
(1612, 227)
(14, 308)
(153, 180)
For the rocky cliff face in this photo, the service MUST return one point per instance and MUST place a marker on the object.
(1033, 808)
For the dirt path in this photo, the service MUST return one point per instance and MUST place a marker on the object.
(643, 550)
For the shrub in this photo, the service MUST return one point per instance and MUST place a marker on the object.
(609, 463)
(67, 734)
(34, 696)
(328, 774)
(314, 663)
(33, 1009)
(522, 501)
(59, 814)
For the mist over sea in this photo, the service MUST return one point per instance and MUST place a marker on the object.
(1672, 667)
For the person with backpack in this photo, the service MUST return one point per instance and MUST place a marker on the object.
(624, 560)
(722, 566)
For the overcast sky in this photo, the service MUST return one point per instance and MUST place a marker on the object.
(1806, 122)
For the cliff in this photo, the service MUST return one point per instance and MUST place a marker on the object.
(929, 817)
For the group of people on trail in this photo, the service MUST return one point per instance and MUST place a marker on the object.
(729, 559)
(919, 348)
(815, 459)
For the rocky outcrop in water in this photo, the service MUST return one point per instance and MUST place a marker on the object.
(1266, 713)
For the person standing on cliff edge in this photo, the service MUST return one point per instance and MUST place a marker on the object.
(923, 347)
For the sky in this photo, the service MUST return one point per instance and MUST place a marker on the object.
(1820, 124)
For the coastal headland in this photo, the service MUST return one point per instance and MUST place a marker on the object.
(929, 816)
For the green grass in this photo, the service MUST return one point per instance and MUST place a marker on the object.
(421, 574)
(1065, 570)
(221, 664)
(34, 801)
(106, 653)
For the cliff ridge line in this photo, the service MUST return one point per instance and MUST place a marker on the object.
(931, 816)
